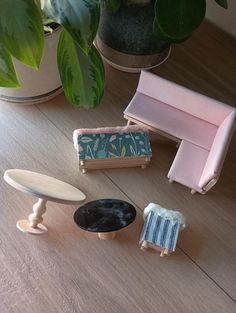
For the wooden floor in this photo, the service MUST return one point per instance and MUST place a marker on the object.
(68, 270)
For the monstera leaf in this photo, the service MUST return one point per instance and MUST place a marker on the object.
(79, 17)
(21, 30)
(82, 76)
(177, 19)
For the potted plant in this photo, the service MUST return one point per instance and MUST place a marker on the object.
(137, 34)
(43, 84)
(79, 62)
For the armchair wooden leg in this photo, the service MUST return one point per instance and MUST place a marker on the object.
(193, 191)
(166, 252)
(171, 181)
(162, 253)
(144, 245)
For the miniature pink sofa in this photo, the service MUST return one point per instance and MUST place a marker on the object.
(203, 126)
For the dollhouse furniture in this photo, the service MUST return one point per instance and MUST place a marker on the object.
(203, 127)
(161, 229)
(111, 147)
(45, 188)
(105, 217)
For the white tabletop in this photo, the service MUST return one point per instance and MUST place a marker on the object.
(43, 186)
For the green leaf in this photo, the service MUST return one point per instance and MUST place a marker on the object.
(82, 76)
(7, 72)
(222, 3)
(21, 30)
(79, 17)
(123, 151)
(112, 5)
(161, 35)
(179, 18)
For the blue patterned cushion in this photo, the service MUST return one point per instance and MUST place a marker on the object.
(101, 146)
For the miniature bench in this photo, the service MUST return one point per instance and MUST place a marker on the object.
(161, 229)
(203, 126)
(112, 147)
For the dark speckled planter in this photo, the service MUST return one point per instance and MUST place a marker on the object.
(126, 40)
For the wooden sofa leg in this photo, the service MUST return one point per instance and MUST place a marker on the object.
(171, 181)
(193, 191)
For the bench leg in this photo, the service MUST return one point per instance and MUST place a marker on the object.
(82, 163)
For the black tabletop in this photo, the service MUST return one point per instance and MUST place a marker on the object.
(105, 215)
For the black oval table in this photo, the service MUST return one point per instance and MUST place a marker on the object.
(105, 216)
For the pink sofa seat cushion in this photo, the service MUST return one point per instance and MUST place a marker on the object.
(218, 150)
(183, 98)
(188, 165)
(171, 120)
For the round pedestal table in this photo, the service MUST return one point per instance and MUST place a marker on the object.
(45, 188)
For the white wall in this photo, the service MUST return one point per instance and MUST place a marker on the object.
(225, 19)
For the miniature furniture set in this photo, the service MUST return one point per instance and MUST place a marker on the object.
(105, 217)
(112, 147)
(45, 188)
(161, 229)
(202, 125)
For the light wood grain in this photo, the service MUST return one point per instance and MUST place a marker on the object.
(43, 186)
(70, 270)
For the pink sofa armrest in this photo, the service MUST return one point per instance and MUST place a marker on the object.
(218, 150)
(188, 165)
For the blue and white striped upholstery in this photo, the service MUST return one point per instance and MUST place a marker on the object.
(161, 227)
(160, 231)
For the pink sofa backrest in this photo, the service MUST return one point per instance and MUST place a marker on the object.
(182, 98)
(218, 150)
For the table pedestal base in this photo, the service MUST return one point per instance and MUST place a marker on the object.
(25, 227)
(34, 223)
(107, 236)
